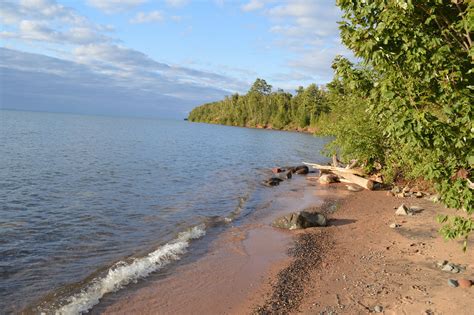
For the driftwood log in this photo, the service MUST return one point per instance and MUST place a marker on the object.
(350, 175)
(338, 169)
(362, 182)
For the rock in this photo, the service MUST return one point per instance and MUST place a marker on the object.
(406, 189)
(378, 309)
(274, 181)
(441, 263)
(300, 220)
(416, 209)
(402, 210)
(433, 198)
(277, 170)
(453, 283)
(354, 188)
(465, 283)
(301, 169)
(448, 268)
(396, 190)
(394, 225)
(419, 194)
(455, 270)
(287, 174)
(326, 179)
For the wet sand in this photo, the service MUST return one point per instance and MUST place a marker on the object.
(356, 263)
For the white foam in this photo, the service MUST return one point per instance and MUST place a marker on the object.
(123, 273)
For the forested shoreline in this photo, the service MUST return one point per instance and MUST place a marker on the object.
(263, 108)
(406, 109)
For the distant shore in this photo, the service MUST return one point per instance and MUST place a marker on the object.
(358, 264)
(307, 130)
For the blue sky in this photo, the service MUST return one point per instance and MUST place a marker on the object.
(167, 55)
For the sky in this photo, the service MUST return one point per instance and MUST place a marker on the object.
(159, 57)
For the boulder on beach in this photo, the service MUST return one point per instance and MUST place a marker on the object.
(274, 181)
(326, 179)
(300, 220)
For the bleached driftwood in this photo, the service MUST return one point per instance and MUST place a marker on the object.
(362, 182)
(347, 175)
(333, 168)
(352, 165)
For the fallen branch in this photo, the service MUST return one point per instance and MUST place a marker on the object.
(333, 169)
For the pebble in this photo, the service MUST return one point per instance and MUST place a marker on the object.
(448, 267)
(402, 210)
(378, 309)
(416, 209)
(453, 283)
(394, 225)
(464, 283)
(419, 194)
(441, 263)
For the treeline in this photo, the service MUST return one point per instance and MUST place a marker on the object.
(408, 105)
(261, 107)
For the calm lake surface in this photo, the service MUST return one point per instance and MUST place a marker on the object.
(90, 204)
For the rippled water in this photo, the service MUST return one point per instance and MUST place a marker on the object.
(80, 193)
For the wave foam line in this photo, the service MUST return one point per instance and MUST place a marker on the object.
(122, 273)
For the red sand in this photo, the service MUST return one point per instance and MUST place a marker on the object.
(366, 263)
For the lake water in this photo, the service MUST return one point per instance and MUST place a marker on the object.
(90, 204)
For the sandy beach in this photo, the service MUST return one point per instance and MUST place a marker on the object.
(356, 265)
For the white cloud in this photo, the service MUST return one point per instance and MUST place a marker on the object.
(177, 3)
(34, 30)
(306, 18)
(253, 5)
(147, 17)
(96, 55)
(115, 6)
(308, 31)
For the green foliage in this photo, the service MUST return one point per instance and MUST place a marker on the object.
(356, 135)
(261, 107)
(414, 89)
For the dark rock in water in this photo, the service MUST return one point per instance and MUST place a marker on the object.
(274, 181)
(300, 220)
(302, 170)
(288, 174)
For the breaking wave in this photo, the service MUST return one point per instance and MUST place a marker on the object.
(123, 273)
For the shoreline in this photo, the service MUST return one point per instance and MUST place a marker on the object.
(309, 131)
(356, 265)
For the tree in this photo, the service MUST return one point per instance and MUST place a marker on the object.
(261, 87)
(421, 55)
